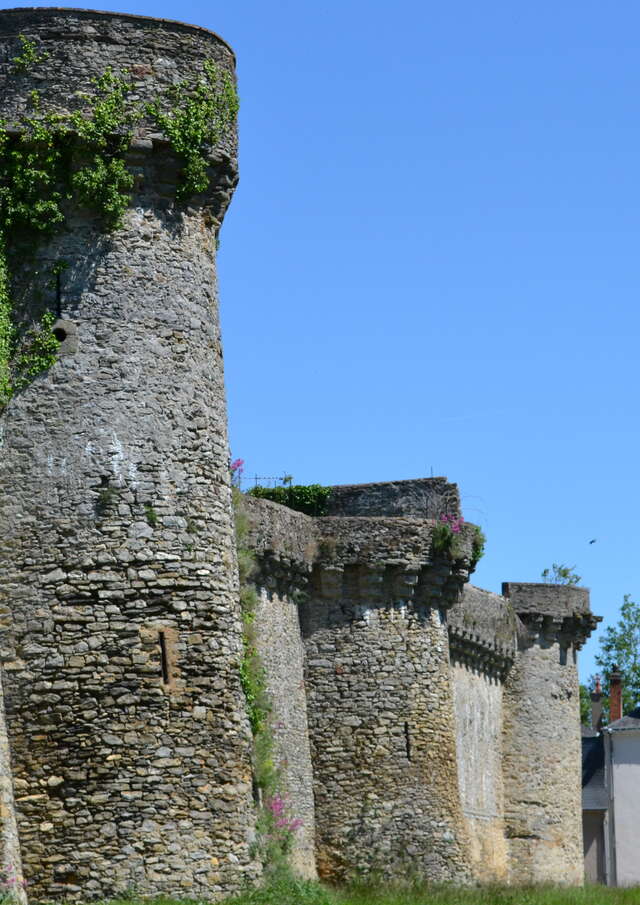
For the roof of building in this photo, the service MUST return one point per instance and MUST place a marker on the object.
(587, 731)
(630, 721)
(594, 793)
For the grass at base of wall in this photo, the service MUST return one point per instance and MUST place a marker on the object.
(283, 889)
(494, 895)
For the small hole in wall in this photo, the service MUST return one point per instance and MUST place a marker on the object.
(164, 660)
(407, 741)
(563, 656)
(60, 334)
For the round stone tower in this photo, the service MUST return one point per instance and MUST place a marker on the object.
(543, 802)
(130, 746)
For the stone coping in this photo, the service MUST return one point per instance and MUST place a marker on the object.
(103, 14)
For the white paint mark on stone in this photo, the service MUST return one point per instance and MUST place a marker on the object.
(364, 613)
(117, 454)
(132, 472)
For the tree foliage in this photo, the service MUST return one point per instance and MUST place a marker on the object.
(560, 574)
(620, 646)
(585, 705)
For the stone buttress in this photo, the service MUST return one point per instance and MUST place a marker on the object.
(541, 743)
(129, 739)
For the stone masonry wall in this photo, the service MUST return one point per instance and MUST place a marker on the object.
(130, 744)
(423, 764)
(12, 872)
(282, 653)
(382, 733)
(125, 752)
(285, 544)
(482, 639)
(477, 696)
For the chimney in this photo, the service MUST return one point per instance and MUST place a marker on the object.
(596, 706)
(615, 695)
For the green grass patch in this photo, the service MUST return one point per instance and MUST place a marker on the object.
(495, 895)
(284, 889)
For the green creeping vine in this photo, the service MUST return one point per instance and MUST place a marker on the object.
(28, 56)
(6, 329)
(200, 116)
(39, 351)
(252, 674)
(62, 161)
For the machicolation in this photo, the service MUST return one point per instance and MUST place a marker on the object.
(420, 725)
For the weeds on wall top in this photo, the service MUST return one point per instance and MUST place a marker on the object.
(51, 164)
(446, 535)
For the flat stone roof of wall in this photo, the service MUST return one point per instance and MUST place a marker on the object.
(548, 599)
(423, 498)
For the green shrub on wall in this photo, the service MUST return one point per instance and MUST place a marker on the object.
(312, 499)
(446, 537)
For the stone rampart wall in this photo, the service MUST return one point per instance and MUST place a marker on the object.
(10, 854)
(377, 681)
(477, 696)
(382, 734)
(482, 639)
(419, 756)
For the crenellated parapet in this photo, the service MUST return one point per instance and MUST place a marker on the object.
(476, 652)
(384, 559)
(482, 631)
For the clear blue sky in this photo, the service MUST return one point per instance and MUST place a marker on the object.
(431, 263)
